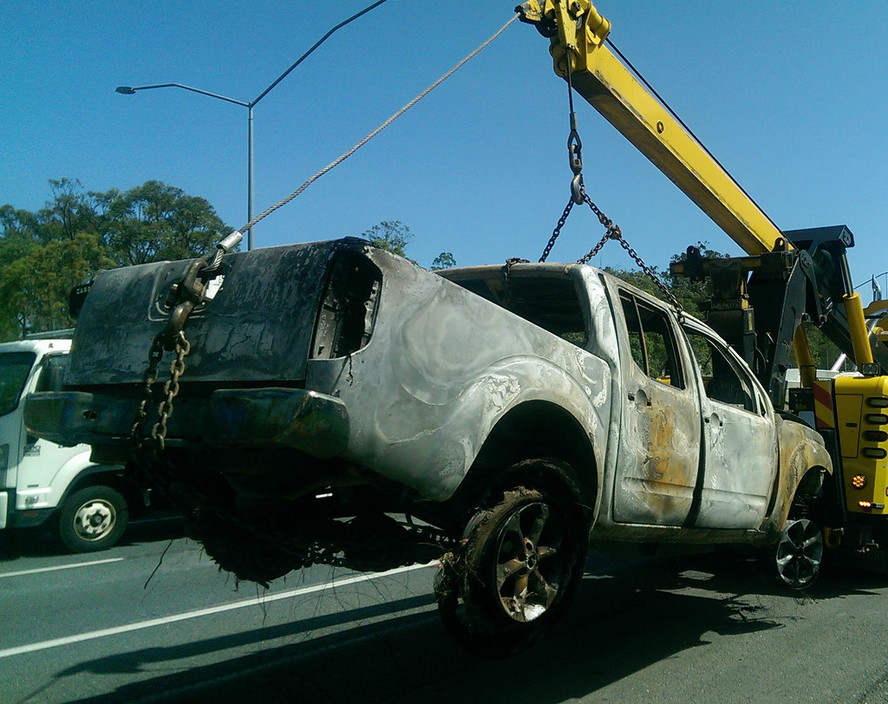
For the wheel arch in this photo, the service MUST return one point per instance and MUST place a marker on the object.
(104, 475)
(534, 429)
(811, 489)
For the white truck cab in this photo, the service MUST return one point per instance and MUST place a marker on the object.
(46, 484)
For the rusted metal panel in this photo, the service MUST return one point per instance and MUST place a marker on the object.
(739, 468)
(800, 449)
(659, 438)
(740, 455)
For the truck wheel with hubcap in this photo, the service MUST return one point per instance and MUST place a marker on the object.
(518, 568)
(93, 518)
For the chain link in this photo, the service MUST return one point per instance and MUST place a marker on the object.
(170, 390)
(612, 232)
(155, 354)
(557, 231)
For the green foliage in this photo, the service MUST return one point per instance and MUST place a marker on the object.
(34, 288)
(392, 235)
(154, 222)
(445, 260)
(77, 233)
(823, 351)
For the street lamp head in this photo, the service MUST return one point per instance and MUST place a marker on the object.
(125, 90)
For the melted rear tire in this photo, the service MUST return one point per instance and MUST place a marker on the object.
(518, 568)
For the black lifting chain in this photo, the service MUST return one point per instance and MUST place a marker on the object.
(612, 232)
(578, 195)
(170, 390)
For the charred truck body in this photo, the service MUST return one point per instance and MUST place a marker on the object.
(517, 411)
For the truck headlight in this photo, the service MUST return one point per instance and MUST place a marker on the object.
(858, 481)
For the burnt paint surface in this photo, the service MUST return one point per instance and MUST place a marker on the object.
(257, 328)
(441, 368)
(659, 439)
(740, 458)
(800, 449)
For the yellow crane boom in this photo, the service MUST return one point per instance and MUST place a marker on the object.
(577, 34)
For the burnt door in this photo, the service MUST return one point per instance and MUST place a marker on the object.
(739, 439)
(660, 423)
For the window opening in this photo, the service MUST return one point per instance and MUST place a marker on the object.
(651, 341)
(14, 370)
(721, 379)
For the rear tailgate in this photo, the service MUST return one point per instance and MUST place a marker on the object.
(256, 329)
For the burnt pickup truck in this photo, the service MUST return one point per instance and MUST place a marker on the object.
(331, 402)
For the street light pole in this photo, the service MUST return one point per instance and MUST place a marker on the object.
(130, 90)
(250, 174)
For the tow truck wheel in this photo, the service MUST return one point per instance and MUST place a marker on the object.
(520, 563)
(92, 519)
(798, 553)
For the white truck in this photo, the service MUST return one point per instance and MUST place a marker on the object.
(44, 484)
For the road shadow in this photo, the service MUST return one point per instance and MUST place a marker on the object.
(44, 542)
(628, 614)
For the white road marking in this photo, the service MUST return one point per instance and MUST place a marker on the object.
(264, 599)
(61, 567)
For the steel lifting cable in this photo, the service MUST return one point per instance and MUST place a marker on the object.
(375, 132)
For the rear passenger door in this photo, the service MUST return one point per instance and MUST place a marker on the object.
(739, 438)
(660, 425)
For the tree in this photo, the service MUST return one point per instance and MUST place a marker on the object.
(392, 235)
(34, 288)
(445, 260)
(70, 212)
(154, 222)
(77, 233)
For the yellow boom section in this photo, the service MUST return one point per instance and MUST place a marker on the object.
(578, 32)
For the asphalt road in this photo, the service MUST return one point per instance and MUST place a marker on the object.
(153, 620)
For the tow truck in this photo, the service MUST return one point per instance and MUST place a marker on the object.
(763, 303)
(330, 402)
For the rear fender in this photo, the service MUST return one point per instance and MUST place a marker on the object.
(441, 370)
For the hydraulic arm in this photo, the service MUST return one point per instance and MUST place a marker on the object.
(820, 290)
(577, 34)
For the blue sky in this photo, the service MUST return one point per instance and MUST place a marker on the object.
(792, 97)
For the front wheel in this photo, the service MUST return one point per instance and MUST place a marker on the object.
(519, 566)
(798, 553)
(93, 519)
